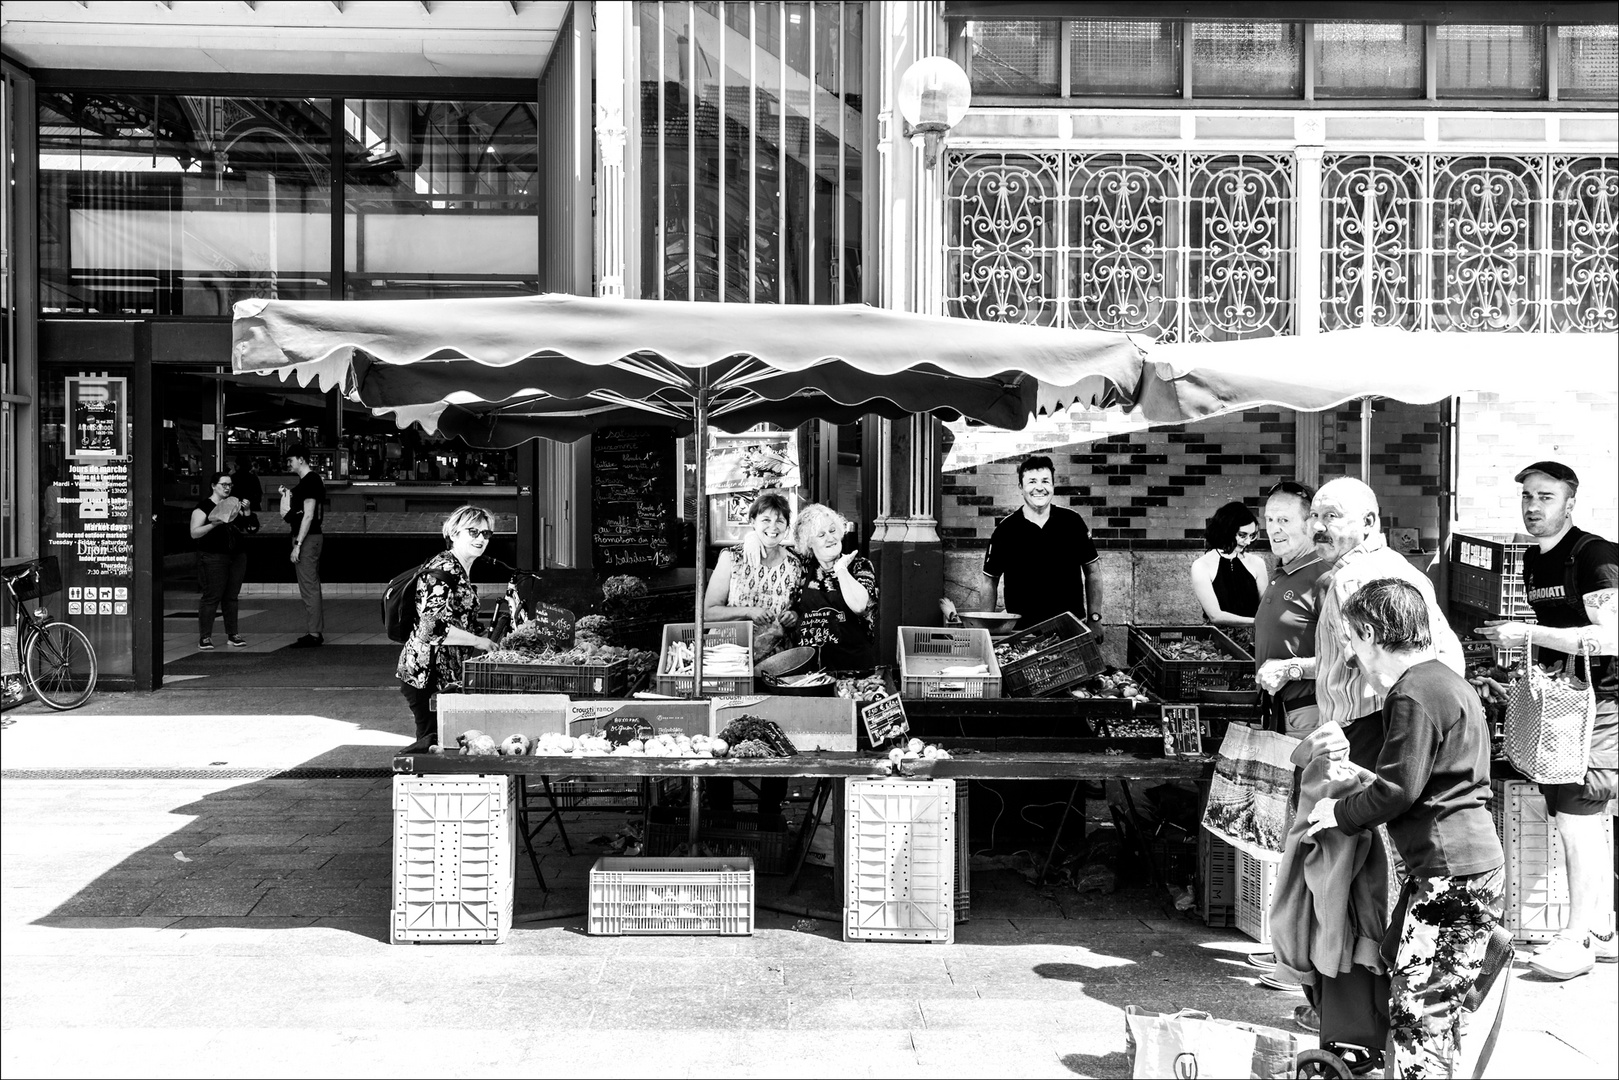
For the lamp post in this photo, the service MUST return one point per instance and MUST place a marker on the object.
(934, 94)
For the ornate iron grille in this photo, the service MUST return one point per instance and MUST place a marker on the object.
(1499, 242)
(1176, 246)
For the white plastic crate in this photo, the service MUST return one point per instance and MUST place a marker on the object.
(454, 858)
(658, 896)
(900, 844)
(928, 654)
(500, 715)
(1256, 888)
(1536, 903)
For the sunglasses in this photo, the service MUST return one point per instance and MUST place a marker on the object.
(486, 534)
(1292, 487)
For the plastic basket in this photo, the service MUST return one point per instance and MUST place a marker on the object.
(766, 848)
(576, 792)
(1073, 656)
(1486, 572)
(737, 633)
(1536, 902)
(576, 680)
(1256, 887)
(900, 847)
(500, 715)
(454, 858)
(925, 652)
(671, 896)
(1217, 876)
(1182, 680)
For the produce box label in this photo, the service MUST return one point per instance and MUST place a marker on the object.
(812, 723)
(885, 720)
(1182, 730)
(665, 717)
(621, 729)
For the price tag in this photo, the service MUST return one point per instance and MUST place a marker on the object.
(621, 729)
(885, 720)
(1182, 730)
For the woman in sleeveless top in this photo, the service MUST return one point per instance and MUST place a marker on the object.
(759, 579)
(1228, 579)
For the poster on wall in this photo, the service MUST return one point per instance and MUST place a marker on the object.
(96, 418)
(739, 468)
(94, 521)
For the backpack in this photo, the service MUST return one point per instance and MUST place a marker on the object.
(399, 604)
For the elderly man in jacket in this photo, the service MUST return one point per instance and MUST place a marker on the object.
(1346, 528)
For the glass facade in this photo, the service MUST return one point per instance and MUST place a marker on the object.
(1491, 61)
(751, 129)
(1368, 60)
(1015, 56)
(180, 205)
(1247, 59)
(1124, 57)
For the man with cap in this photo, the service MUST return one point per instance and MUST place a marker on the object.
(1572, 580)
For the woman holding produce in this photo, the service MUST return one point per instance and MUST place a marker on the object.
(217, 525)
(446, 630)
(758, 579)
(837, 604)
(1228, 579)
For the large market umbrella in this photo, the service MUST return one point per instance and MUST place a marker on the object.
(498, 371)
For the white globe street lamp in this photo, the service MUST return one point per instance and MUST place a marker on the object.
(934, 94)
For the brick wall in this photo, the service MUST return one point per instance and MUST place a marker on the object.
(1500, 436)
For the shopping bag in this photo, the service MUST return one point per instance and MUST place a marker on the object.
(1251, 794)
(1549, 720)
(1189, 1045)
(286, 502)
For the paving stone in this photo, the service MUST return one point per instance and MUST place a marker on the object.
(318, 902)
(819, 1013)
(219, 898)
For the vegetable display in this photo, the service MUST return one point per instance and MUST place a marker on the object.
(720, 659)
(752, 736)
(1007, 652)
(1113, 684)
(1190, 649)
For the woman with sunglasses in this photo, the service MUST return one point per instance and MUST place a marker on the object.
(446, 631)
(1228, 579)
(218, 524)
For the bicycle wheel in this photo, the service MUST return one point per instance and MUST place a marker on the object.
(60, 665)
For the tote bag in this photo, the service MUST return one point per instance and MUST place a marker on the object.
(1549, 720)
(1192, 1045)
(1250, 797)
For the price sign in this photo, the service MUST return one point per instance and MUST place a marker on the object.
(1182, 730)
(885, 720)
(621, 729)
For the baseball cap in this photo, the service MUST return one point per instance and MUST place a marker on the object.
(1554, 469)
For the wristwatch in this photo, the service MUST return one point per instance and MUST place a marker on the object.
(1294, 672)
(1095, 617)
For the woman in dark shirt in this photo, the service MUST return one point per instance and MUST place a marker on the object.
(1432, 790)
(446, 630)
(1228, 579)
(837, 602)
(218, 524)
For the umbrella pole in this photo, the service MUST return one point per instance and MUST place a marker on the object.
(1366, 441)
(702, 531)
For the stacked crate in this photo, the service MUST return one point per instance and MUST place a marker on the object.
(455, 858)
(1536, 903)
(1487, 584)
(900, 847)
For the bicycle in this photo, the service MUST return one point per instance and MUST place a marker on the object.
(56, 658)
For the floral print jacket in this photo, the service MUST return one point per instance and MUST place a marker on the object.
(445, 596)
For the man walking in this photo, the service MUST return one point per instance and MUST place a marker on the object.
(1346, 529)
(308, 499)
(1571, 577)
(1045, 554)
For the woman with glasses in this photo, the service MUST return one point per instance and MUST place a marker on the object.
(446, 631)
(218, 524)
(1228, 579)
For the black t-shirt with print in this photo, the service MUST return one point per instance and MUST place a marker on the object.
(310, 486)
(1545, 576)
(1042, 564)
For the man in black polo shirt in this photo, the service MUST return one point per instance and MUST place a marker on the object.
(1045, 554)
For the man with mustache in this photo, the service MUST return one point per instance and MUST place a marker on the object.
(1345, 529)
(1046, 555)
(1572, 579)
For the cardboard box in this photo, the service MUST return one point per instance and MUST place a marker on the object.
(813, 723)
(500, 715)
(673, 717)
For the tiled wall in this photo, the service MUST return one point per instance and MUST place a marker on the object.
(1155, 488)
(1499, 437)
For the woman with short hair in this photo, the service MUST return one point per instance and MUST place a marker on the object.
(1228, 579)
(446, 631)
(838, 602)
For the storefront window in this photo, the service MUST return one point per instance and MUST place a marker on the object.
(441, 198)
(161, 204)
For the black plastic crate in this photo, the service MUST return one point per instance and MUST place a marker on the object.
(1184, 680)
(1069, 656)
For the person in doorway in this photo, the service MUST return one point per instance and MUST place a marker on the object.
(308, 502)
(218, 524)
(1572, 580)
(1432, 790)
(1284, 624)
(446, 631)
(245, 483)
(1228, 578)
(837, 604)
(1346, 528)
(1045, 554)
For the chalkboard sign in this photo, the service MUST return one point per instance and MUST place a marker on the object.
(621, 729)
(1182, 730)
(633, 498)
(885, 721)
